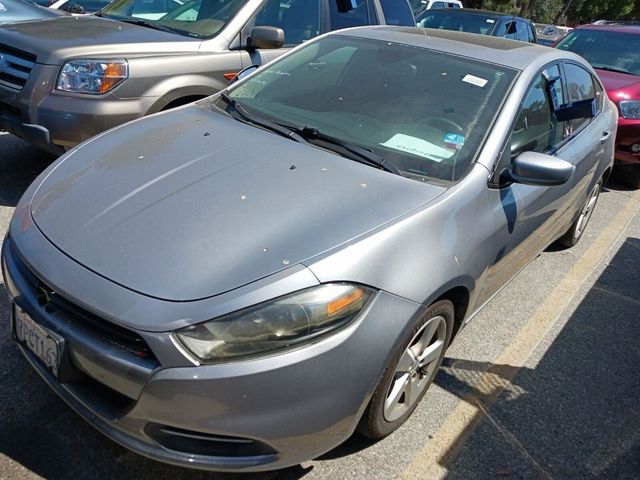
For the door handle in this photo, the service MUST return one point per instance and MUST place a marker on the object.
(605, 135)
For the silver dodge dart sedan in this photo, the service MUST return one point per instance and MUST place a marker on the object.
(243, 282)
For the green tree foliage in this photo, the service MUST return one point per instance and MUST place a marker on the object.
(571, 12)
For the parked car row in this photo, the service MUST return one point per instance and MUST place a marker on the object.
(242, 282)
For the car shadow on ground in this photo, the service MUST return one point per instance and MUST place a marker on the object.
(575, 415)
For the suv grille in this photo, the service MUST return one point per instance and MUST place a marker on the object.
(15, 66)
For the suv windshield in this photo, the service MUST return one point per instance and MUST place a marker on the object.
(425, 112)
(196, 18)
(608, 50)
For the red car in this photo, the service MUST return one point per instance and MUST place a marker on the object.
(614, 51)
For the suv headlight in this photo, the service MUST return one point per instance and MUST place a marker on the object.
(92, 76)
(277, 324)
(630, 108)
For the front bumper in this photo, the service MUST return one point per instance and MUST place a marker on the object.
(252, 415)
(55, 121)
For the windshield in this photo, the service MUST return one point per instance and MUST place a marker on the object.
(456, 20)
(195, 18)
(425, 112)
(617, 51)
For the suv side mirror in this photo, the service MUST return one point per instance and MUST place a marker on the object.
(74, 8)
(532, 168)
(346, 6)
(266, 37)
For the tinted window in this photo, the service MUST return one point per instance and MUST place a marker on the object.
(536, 128)
(300, 19)
(522, 32)
(580, 87)
(456, 20)
(397, 12)
(425, 111)
(438, 5)
(617, 51)
(361, 15)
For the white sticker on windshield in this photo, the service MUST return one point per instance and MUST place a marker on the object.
(417, 146)
(490, 20)
(477, 81)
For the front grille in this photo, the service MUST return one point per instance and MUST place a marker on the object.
(15, 67)
(115, 335)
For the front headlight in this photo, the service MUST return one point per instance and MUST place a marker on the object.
(92, 76)
(280, 323)
(630, 108)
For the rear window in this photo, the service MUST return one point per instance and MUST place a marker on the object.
(614, 51)
(456, 20)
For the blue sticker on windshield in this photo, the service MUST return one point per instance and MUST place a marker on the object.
(454, 140)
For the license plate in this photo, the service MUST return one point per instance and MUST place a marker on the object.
(37, 339)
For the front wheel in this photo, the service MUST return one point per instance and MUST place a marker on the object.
(409, 373)
(576, 230)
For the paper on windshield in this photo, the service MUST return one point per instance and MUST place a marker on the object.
(417, 146)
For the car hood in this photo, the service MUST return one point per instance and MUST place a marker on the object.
(620, 86)
(57, 39)
(190, 204)
(12, 11)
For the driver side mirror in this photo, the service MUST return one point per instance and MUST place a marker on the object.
(266, 37)
(533, 168)
(581, 109)
(346, 6)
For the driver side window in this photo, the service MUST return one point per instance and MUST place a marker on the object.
(300, 19)
(536, 128)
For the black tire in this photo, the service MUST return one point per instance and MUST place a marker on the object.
(577, 228)
(381, 418)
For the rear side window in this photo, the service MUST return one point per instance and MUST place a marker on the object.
(362, 14)
(580, 87)
(397, 12)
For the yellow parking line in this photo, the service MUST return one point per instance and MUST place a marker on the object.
(432, 460)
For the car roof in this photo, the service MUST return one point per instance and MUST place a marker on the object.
(500, 51)
(612, 27)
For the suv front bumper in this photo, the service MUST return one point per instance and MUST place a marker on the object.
(55, 121)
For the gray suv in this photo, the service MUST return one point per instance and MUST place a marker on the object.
(66, 79)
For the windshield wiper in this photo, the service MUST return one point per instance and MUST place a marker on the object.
(145, 23)
(240, 113)
(359, 153)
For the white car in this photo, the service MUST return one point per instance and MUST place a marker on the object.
(421, 5)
